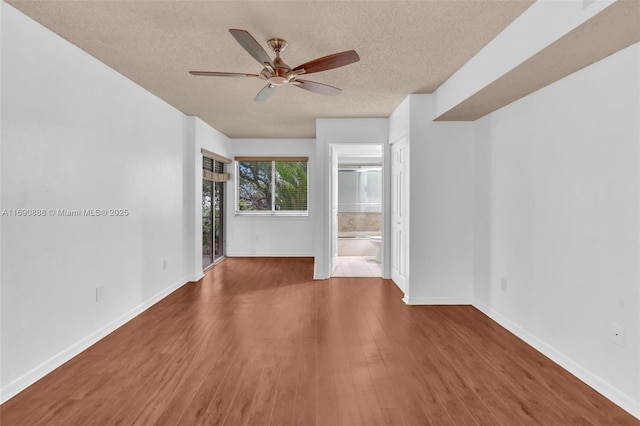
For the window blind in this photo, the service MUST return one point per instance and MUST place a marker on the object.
(213, 169)
(272, 184)
(214, 156)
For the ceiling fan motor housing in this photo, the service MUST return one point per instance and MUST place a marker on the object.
(277, 44)
(281, 72)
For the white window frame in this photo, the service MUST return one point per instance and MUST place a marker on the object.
(273, 211)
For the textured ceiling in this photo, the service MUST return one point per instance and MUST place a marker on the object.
(405, 47)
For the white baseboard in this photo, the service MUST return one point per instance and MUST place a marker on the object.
(436, 300)
(26, 380)
(618, 397)
(195, 278)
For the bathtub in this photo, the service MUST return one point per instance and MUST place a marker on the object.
(357, 243)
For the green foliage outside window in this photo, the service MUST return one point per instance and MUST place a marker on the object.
(272, 186)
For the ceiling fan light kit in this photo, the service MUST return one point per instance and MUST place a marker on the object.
(277, 73)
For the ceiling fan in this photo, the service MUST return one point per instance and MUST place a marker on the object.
(277, 73)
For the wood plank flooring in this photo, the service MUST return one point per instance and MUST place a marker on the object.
(258, 342)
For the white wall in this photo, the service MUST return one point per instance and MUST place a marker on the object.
(400, 121)
(1, 205)
(343, 131)
(77, 135)
(558, 202)
(441, 206)
(270, 235)
(440, 203)
(482, 221)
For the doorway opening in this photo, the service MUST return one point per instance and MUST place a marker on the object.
(358, 210)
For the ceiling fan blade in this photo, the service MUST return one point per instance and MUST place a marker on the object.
(328, 62)
(250, 44)
(265, 93)
(221, 74)
(319, 88)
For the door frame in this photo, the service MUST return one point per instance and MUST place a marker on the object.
(400, 279)
(386, 217)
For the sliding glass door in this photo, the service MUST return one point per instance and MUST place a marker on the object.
(218, 220)
(212, 215)
(207, 223)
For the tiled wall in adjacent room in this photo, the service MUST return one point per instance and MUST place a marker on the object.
(359, 222)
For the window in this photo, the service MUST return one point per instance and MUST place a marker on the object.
(360, 189)
(272, 185)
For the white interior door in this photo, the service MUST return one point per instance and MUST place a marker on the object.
(399, 213)
(334, 208)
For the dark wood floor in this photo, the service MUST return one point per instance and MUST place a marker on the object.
(258, 342)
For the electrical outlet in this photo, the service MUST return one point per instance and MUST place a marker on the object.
(164, 264)
(616, 334)
(99, 294)
(503, 284)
